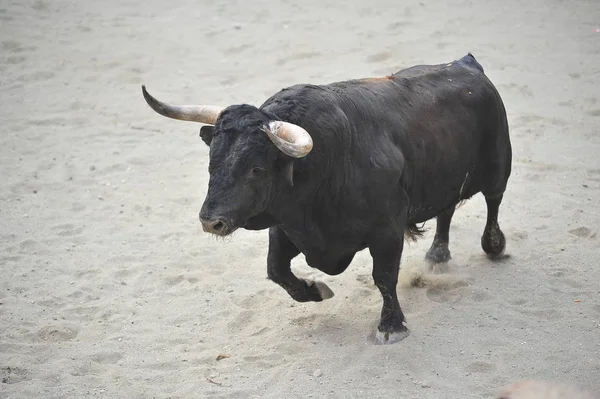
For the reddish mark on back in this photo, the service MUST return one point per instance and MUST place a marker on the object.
(378, 79)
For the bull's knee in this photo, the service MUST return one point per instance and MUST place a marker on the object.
(493, 241)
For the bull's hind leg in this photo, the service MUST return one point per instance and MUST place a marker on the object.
(439, 252)
(492, 240)
(496, 172)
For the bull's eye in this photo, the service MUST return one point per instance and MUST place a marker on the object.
(257, 171)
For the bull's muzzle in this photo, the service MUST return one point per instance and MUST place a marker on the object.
(218, 226)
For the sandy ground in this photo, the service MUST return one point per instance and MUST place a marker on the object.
(109, 289)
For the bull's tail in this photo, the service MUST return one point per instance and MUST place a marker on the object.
(412, 232)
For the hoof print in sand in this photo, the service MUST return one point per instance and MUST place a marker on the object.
(481, 367)
(106, 357)
(67, 230)
(57, 333)
(443, 296)
(13, 375)
(581, 232)
(447, 292)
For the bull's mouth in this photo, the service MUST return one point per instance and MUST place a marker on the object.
(223, 233)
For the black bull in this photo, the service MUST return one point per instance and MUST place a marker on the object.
(387, 153)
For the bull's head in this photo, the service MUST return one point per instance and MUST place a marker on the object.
(251, 155)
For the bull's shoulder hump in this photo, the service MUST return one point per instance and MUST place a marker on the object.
(300, 100)
(302, 88)
(296, 91)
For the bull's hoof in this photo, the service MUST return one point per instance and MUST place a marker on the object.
(322, 288)
(493, 242)
(438, 254)
(387, 338)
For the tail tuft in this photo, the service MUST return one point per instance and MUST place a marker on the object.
(412, 232)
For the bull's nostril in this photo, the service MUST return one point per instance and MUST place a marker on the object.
(215, 226)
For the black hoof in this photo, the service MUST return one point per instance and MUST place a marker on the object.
(323, 290)
(438, 254)
(311, 291)
(493, 242)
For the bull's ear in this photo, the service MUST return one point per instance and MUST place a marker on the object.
(206, 133)
(288, 172)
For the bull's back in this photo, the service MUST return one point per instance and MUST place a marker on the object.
(439, 124)
(423, 106)
(468, 61)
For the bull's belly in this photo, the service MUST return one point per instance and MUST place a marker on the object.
(335, 259)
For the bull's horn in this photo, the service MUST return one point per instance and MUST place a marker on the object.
(195, 113)
(291, 139)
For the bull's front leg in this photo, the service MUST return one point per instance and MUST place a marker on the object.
(281, 252)
(386, 253)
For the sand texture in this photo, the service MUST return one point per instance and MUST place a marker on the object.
(110, 289)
